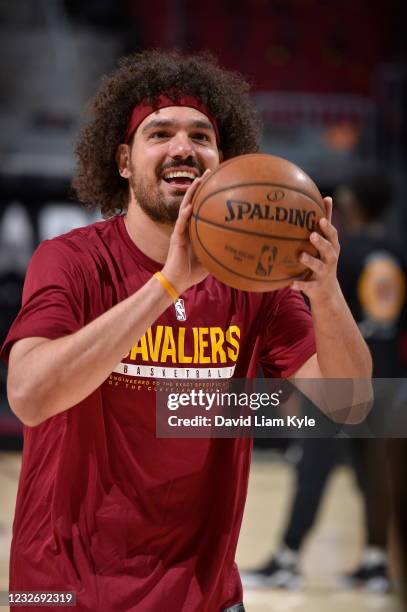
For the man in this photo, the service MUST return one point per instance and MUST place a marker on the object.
(129, 521)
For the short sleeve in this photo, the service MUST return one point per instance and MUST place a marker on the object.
(288, 340)
(53, 297)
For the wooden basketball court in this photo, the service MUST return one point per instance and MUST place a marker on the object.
(332, 548)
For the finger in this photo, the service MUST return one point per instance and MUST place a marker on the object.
(183, 217)
(186, 205)
(325, 248)
(189, 194)
(330, 232)
(312, 263)
(328, 208)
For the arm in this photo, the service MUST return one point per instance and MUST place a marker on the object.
(341, 351)
(65, 371)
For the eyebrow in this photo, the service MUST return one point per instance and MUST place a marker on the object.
(165, 123)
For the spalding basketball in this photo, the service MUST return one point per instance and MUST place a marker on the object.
(252, 218)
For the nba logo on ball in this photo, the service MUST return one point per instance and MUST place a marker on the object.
(266, 260)
(180, 310)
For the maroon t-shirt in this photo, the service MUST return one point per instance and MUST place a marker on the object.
(104, 508)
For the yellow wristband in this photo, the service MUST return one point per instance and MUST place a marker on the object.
(167, 286)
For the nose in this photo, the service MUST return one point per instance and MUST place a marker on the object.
(180, 146)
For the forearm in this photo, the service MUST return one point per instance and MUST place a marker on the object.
(341, 349)
(65, 371)
(337, 378)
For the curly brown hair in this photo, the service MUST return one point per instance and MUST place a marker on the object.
(144, 76)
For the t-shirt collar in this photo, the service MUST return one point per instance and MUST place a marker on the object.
(148, 263)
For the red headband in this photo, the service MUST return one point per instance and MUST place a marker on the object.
(142, 110)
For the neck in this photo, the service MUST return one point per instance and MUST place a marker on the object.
(150, 237)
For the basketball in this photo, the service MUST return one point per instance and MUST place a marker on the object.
(252, 218)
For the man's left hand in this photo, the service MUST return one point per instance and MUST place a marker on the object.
(323, 284)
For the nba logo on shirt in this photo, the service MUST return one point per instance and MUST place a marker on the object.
(180, 310)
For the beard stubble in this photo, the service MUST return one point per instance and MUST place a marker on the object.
(156, 206)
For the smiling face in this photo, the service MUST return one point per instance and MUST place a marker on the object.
(170, 149)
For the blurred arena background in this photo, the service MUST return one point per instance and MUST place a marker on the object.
(329, 79)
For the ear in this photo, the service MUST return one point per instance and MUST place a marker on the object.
(123, 160)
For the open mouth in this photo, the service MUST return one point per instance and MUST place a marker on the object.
(179, 177)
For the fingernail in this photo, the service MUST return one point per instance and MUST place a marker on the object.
(314, 237)
(323, 222)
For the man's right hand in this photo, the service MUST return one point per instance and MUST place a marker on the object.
(182, 268)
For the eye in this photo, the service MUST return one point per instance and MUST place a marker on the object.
(200, 136)
(160, 134)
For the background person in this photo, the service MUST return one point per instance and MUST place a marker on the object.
(372, 275)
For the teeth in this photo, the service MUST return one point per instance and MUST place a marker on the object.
(180, 174)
